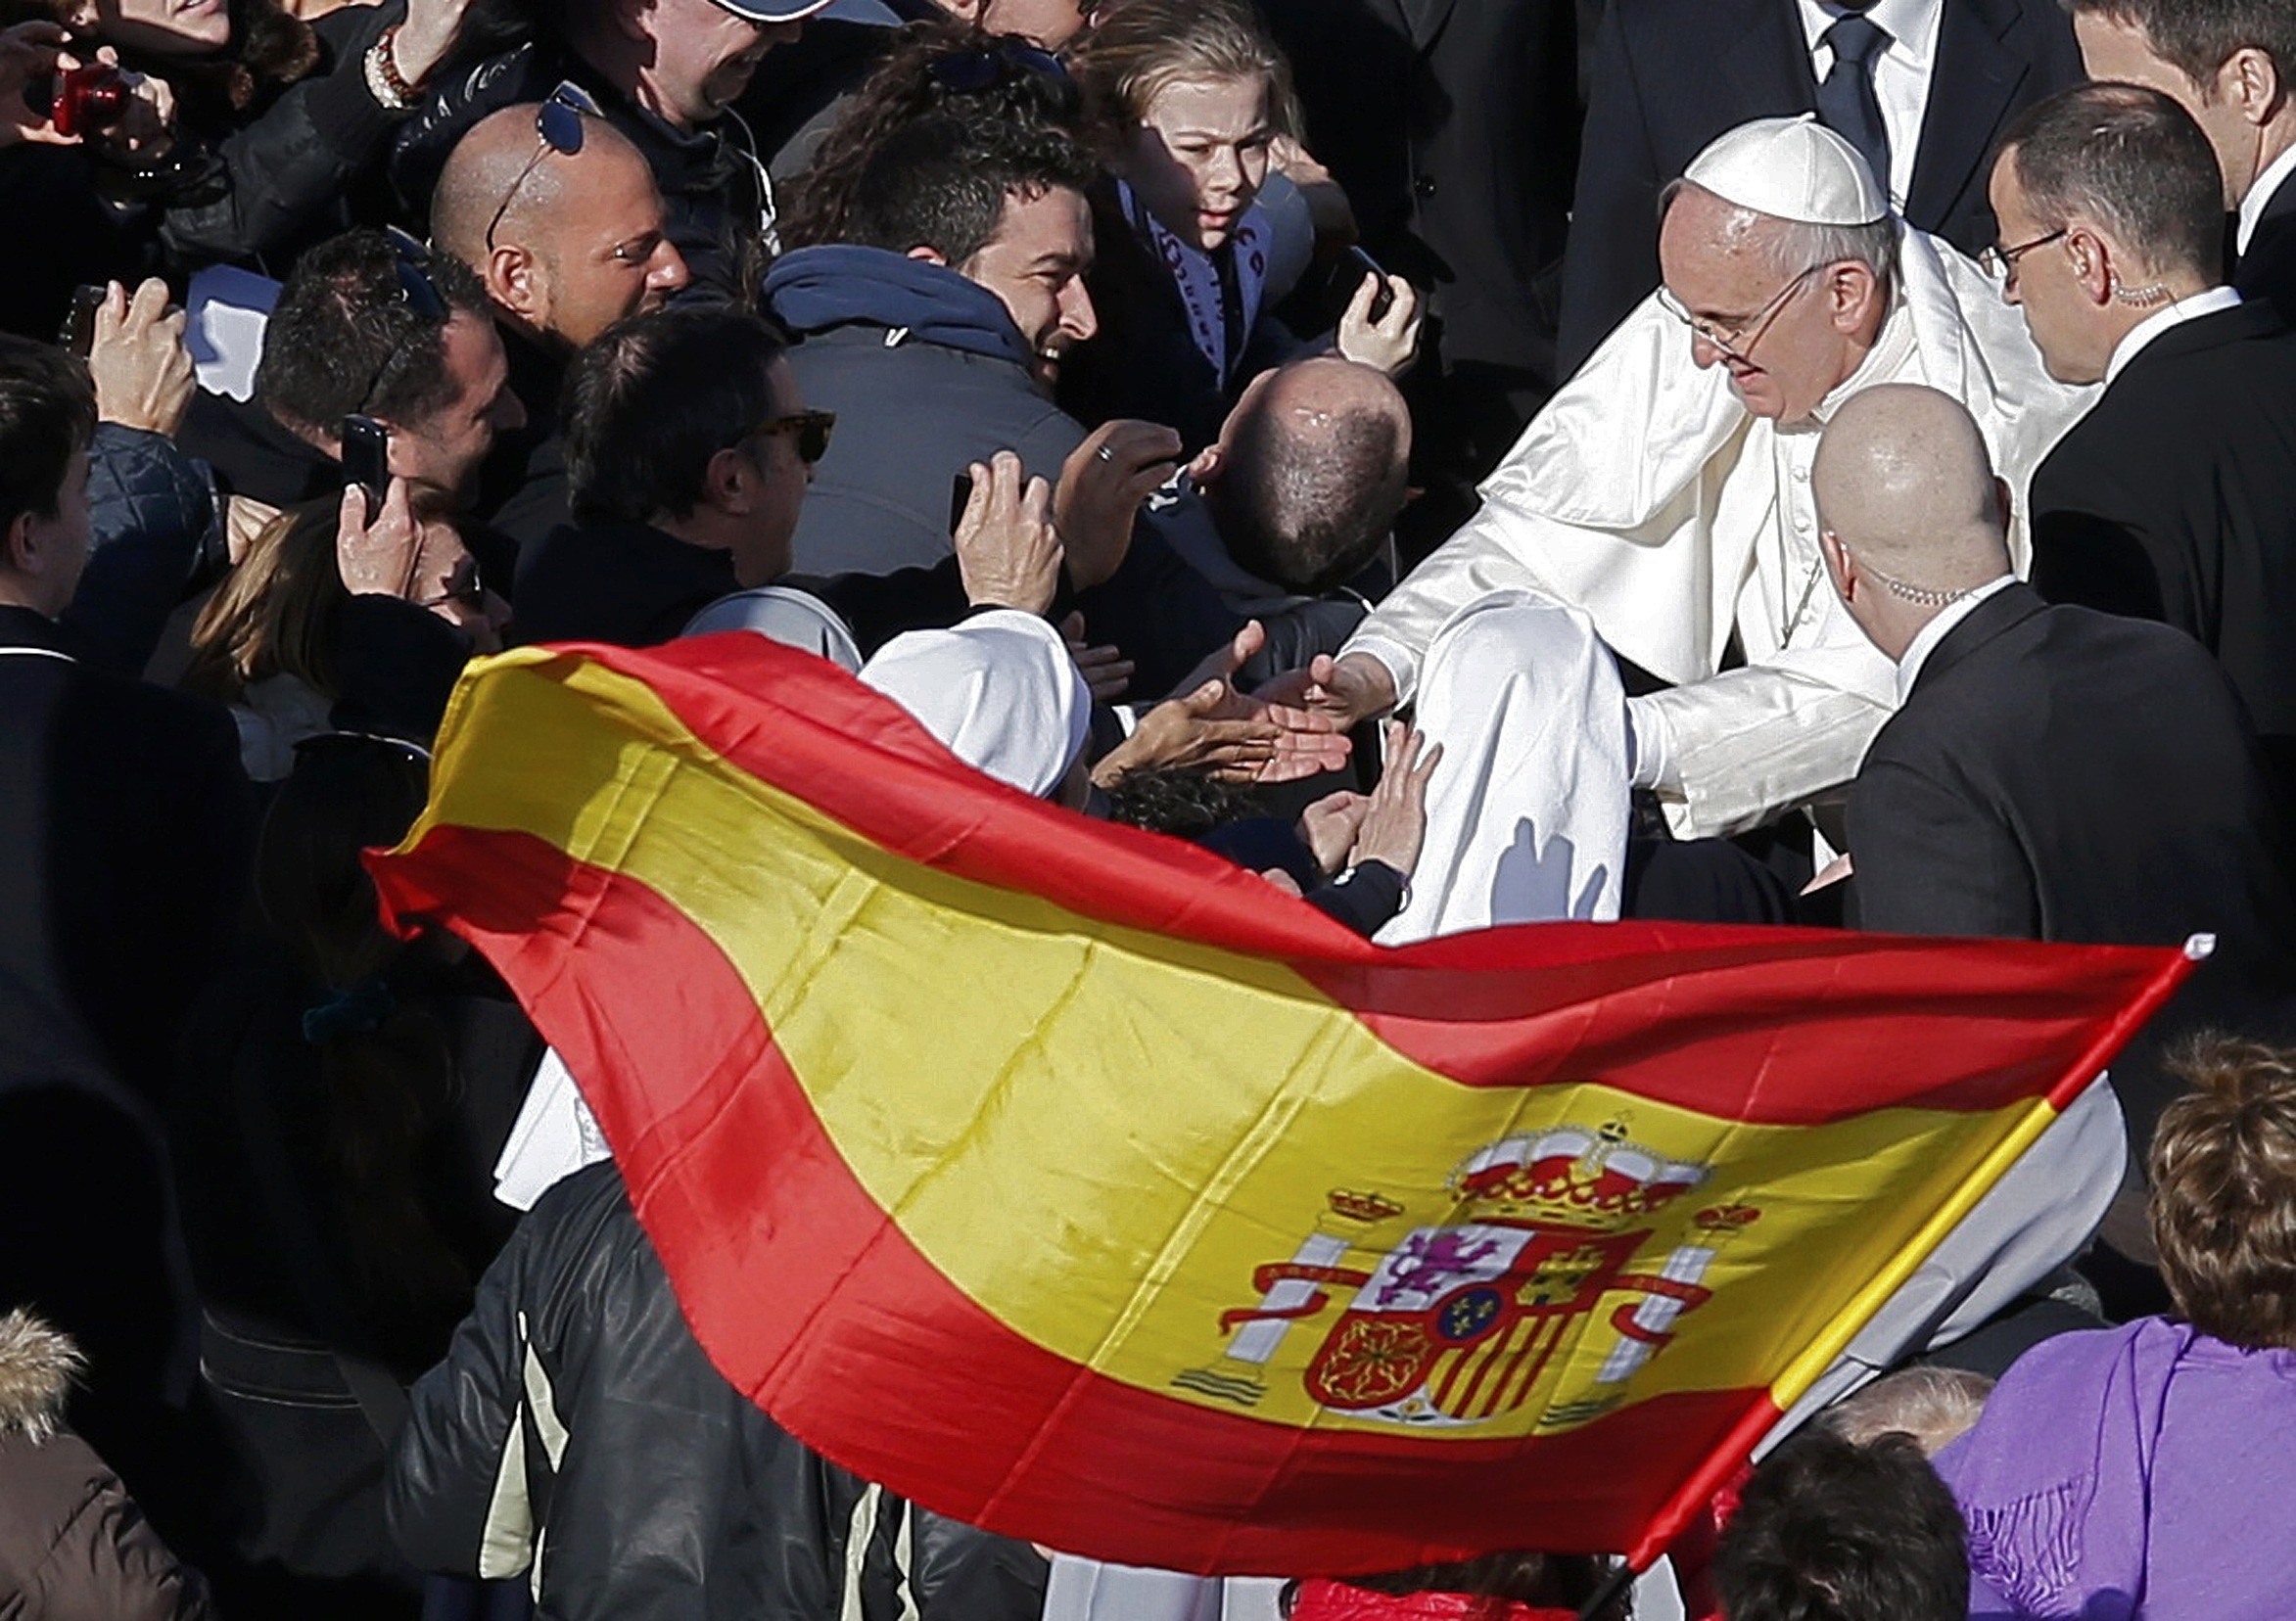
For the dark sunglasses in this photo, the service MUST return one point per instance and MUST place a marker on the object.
(985, 67)
(812, 429)
(557, 128)
(410, 260)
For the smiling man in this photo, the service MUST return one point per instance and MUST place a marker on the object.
(1663, 494)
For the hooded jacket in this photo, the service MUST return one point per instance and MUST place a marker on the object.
(74, 1547)
(926, 373)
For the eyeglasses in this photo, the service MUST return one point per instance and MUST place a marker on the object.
(1736, 342)
(983, 68)
(2000, 263)
(410, 261)
(811, 428)
(557, 128)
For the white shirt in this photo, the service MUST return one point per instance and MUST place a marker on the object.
(1901, 74)
(2159, 321)
(1917, 652)
(2260, 195)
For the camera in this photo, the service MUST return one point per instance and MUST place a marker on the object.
(80, 101)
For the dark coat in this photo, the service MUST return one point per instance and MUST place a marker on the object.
(661, 1491)
(1454, 130)
(2062, 774)
(2174, 499)
(72, 1547)
(128, 827)
(2268, 270)
(1144, 364)
(1670, 75)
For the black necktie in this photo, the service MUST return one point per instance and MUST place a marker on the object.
(1846, 101)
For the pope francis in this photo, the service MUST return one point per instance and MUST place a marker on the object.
(1660, 510)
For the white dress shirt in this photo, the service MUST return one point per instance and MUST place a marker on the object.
(1925, 644)
(1901, 74)
(2161, 320)
(2260, 195)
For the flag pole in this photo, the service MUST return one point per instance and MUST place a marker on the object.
(1615, 1588)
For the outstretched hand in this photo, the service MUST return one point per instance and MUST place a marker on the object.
(1395, 818)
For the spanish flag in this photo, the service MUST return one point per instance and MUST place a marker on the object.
(1075, 1184)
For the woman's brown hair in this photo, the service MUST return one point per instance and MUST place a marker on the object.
(2223, 1192)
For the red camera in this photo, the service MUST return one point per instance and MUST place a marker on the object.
(83, 100)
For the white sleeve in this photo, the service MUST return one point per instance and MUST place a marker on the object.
(1472, 564)
(1743, 745)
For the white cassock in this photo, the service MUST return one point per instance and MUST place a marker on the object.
(1650, 499)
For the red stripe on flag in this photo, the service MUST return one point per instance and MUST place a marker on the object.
(1651, 1007)
(808, 1296)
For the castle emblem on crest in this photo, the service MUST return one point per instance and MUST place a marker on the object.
(1454, 1324)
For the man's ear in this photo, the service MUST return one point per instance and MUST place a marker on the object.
(21, 552)
(1839, 567)
(633, 19)
(2092, 263)
(729, 484)
(2006, 502)
(924, 255)
(514, 281)
(1851, 288)
(2251, 80)
(1207, 465)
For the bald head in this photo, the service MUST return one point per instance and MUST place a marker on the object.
(486, 165)
(1904, 477)
(1905, 487)
(579, 241)
(1313, 464)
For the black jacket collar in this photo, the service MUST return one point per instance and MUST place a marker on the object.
(2006, 609)
(25, 628)
(2245, 323)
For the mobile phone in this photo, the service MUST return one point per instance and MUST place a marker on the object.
(78, 333)
(959, 497)
(1364, 265)
(366, 459)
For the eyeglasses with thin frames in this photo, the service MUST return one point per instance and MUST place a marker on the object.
(1737, 342)
(557, 128)
(2000, 262)
(811, 428)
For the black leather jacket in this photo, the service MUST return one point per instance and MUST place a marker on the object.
(576, 1421)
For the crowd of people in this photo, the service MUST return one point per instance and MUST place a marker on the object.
(1471, 462)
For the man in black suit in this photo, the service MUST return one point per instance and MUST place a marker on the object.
(2175, 499)
(2227, 63)
(2052, 773)
(1453, 127)
(1670, 75)
(122, 809)
(123, 838)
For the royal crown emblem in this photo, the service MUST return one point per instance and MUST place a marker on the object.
(1456, 1324)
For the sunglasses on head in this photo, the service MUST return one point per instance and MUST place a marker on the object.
(410, 260)
(557, 128)
(985, 67)
(811, 428)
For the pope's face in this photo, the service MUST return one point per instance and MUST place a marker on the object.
(1771, 326)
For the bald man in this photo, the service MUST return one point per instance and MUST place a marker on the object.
(2051, 772)
(566, 244)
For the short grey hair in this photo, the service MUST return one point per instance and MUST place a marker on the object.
(1794, 247)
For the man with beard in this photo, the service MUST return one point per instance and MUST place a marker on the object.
(567, 242)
